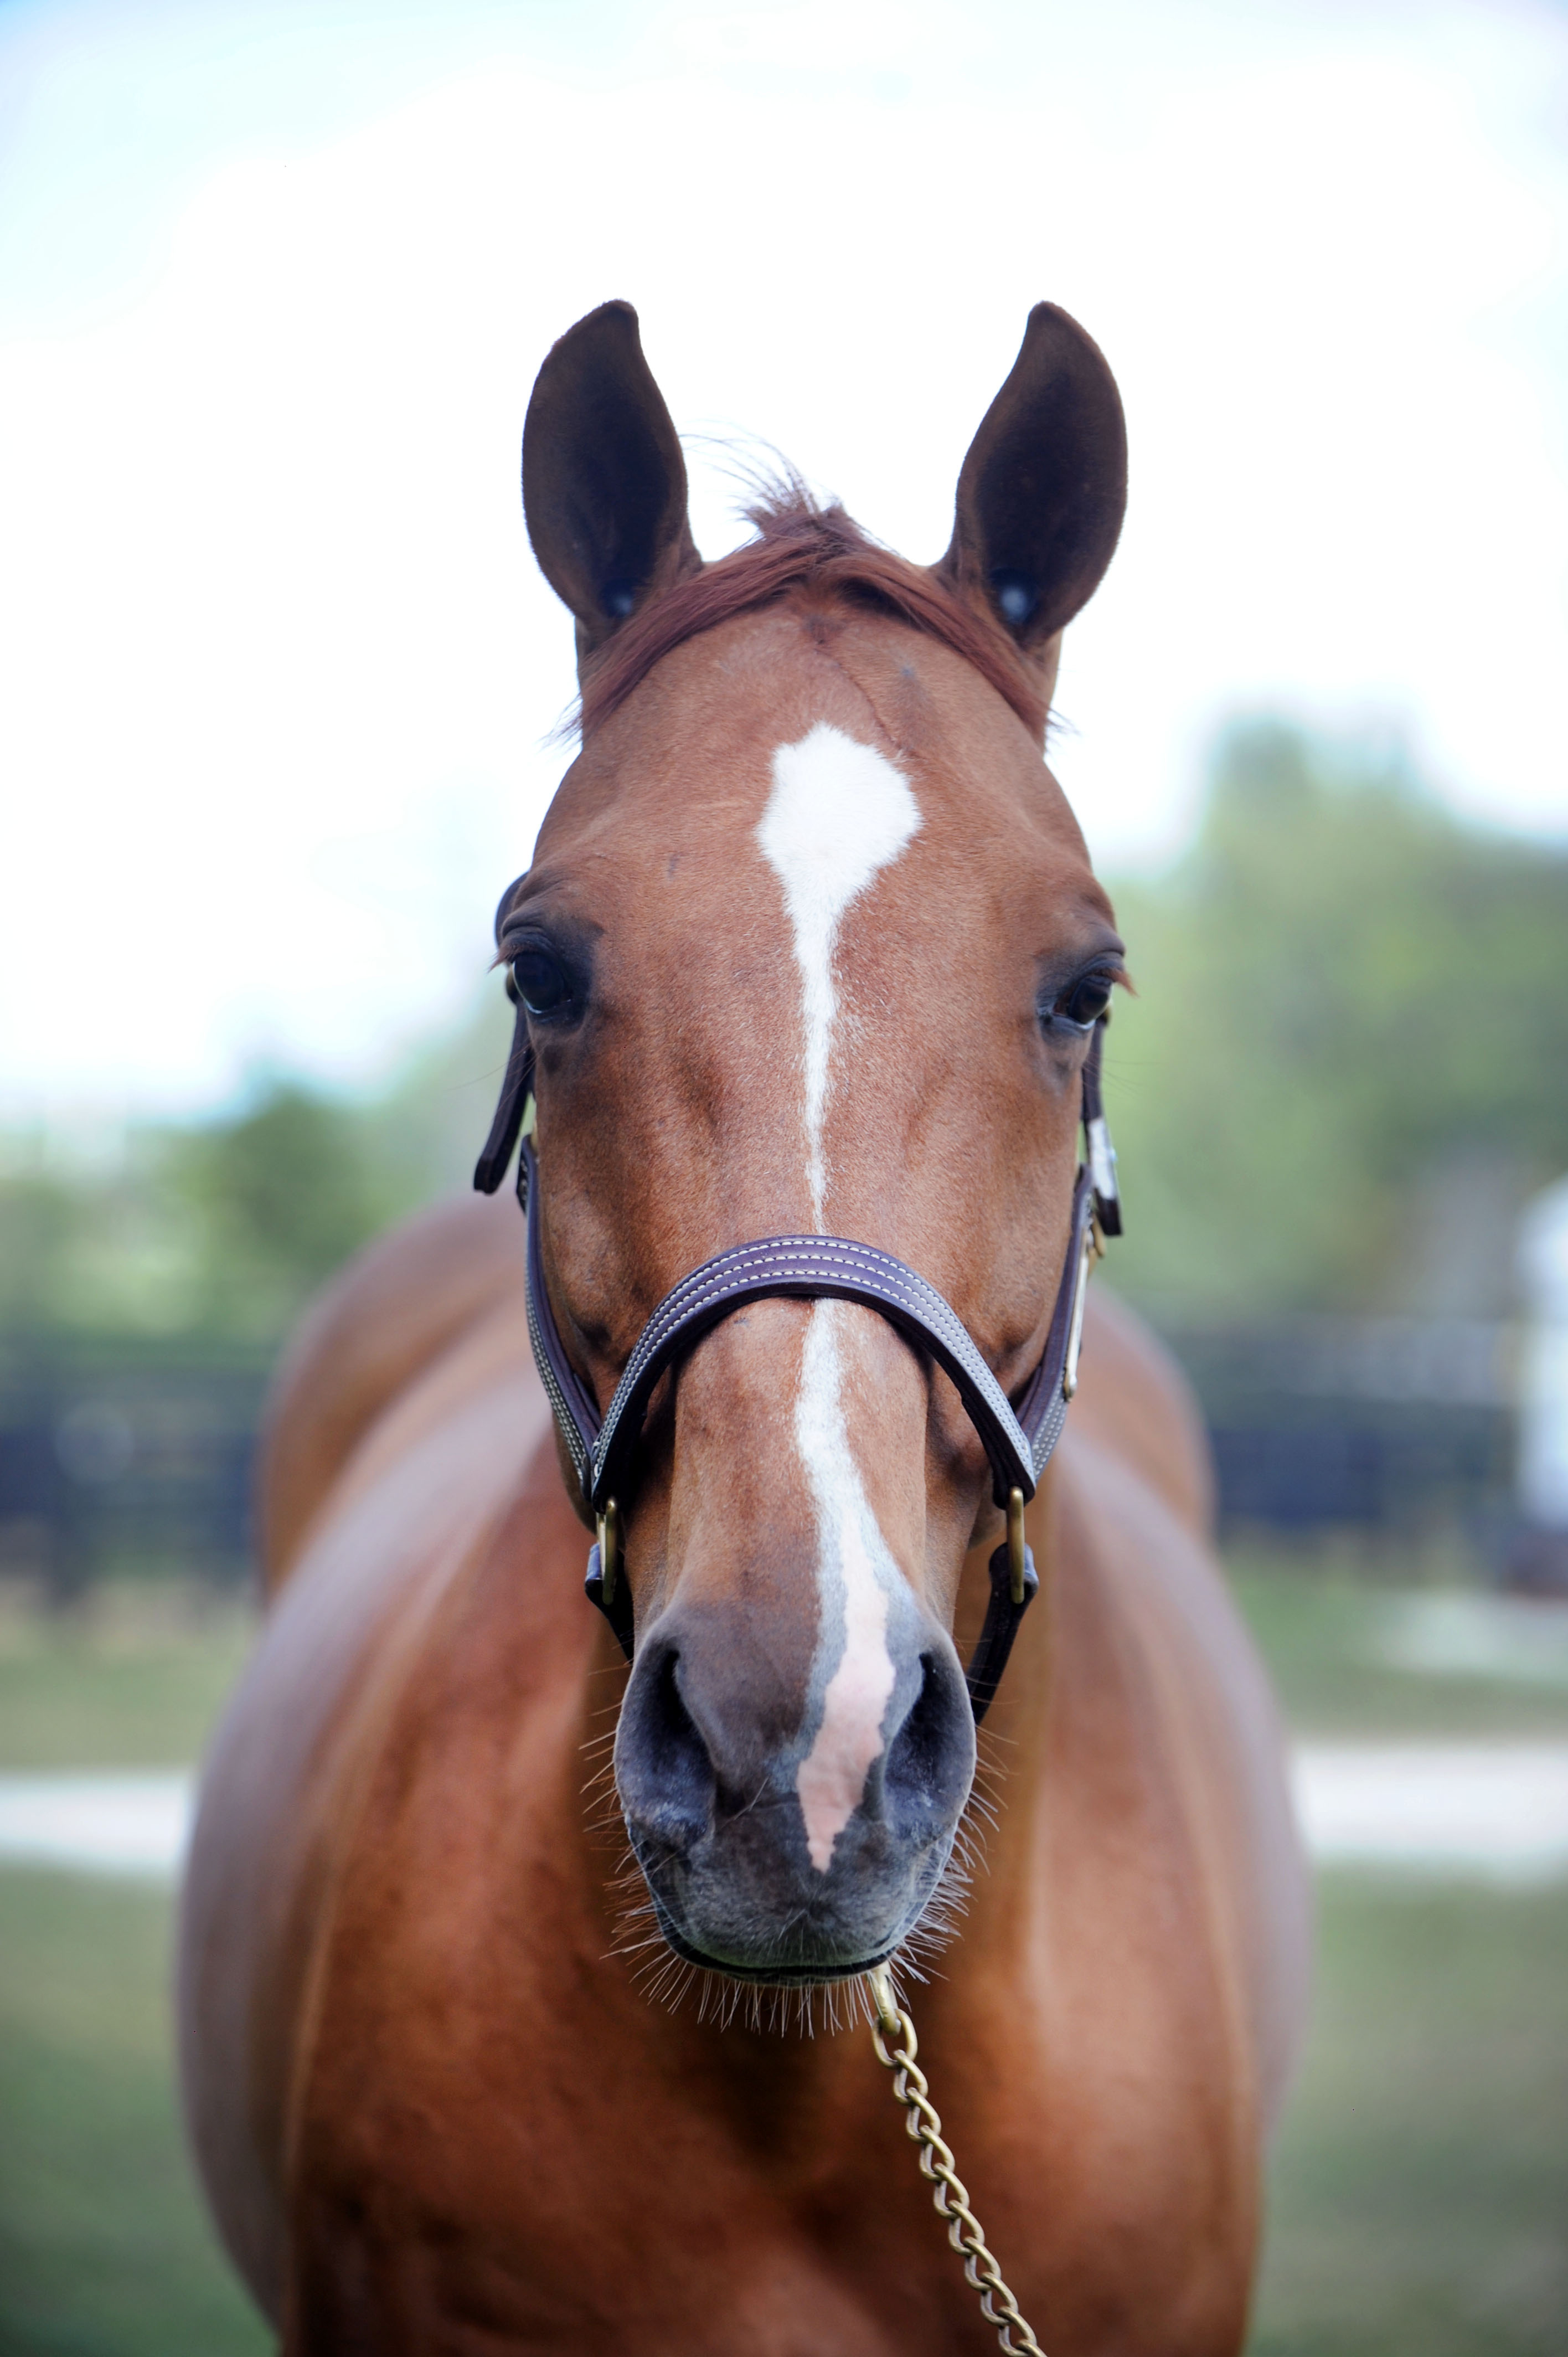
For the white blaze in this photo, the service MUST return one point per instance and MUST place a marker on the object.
(838, 815)
(855, 1571)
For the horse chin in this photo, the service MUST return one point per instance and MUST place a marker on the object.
(763, 1957)
(767, 1975)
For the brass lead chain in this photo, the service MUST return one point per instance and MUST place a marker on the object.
(950, 2198)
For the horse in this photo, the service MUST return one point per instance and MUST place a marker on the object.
(809, 949)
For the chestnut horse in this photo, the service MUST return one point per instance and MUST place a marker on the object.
(811, 945)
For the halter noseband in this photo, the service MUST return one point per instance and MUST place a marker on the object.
(1018, 1441)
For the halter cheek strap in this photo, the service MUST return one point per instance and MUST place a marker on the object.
(1018, 1441)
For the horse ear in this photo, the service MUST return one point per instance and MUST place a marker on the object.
(1043, 491)
(603, 483)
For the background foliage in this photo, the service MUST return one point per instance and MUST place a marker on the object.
(223, 1229)
(1344, 1071)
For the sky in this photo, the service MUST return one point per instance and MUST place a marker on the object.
(277, 673)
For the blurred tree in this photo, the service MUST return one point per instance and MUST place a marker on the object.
(1345, 1064)
(226, 1227)
(280, 1197)
(40, 1224)
(428, 1127)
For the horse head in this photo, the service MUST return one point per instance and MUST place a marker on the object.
(811, 945)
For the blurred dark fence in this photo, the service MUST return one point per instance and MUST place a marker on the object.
(127, 1455)
(117, 1455)
(1396, 1426)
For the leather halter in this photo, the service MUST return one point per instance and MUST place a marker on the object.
(1018, 1441)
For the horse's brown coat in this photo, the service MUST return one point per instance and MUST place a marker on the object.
(435, 2111)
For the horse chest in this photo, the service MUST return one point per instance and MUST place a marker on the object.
(499, 2143)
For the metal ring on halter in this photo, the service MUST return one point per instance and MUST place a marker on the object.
(608, 1524)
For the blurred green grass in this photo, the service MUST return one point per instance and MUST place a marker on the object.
(1419, 2192)
(135, 1678)
(1419, 2201)
(1321, 1632)
(105, 2250)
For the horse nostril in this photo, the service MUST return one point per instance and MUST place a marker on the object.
(931, 1758)
(662, 1765)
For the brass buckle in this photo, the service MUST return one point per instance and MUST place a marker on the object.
(1016, 1548)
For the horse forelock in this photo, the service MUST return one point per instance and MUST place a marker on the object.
(802, 546)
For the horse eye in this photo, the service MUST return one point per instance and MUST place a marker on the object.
(1086, 1002)
(541, 982)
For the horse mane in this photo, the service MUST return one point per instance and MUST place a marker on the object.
(800, 545)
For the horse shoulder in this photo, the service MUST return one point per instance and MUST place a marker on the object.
(1199, 1703)
(459, 1461)
(1134, 1401)
(397, 1306)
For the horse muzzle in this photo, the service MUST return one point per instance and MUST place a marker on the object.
(710, 1787)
